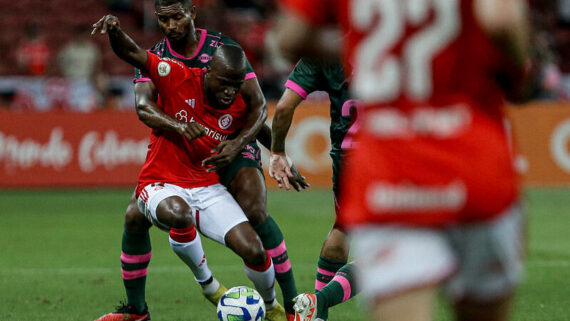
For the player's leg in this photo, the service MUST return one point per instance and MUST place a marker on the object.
(491, 256)
(341, 288)
(167, 206)
(243, 240)
(174, 215)
(498, 310)
(258, 266)
(412, 305)
(244, 179)
(220, 218)
(135, 257)
(400, 268)
(249, 189)
(333, 256)
(186, 243)
(334, 252)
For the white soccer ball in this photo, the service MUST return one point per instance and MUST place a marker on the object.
(241, 303)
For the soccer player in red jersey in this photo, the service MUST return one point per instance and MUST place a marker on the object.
(237, 160)
(175, 189)
(430, 194)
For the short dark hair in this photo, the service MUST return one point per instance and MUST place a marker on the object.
(164, 3)
(232, 55)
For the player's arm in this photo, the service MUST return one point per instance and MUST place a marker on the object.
(298, 181)
(507, 23)
(255, 118)
(257, 111)
(123, 46)
(154, 117)
(264, 136)
(279, 167)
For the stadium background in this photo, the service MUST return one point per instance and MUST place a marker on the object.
(71, 147)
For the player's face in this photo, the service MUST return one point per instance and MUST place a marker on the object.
(175, 21)
(221, 87)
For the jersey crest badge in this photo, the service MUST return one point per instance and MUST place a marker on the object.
(163, 68)
(225, 121)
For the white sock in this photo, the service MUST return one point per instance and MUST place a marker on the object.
(211, 287)
(193, 255)
(264, 283)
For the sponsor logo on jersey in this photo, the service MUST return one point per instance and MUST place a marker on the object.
(390, 197)
(225, 121)
(163, 68)
(441, 122)
(182, 115)
(211, 132)
(204, 58)
(191, 102)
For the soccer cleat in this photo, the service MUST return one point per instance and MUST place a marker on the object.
(276, 314)
(305, 307)
(126, 313)
(216, 296)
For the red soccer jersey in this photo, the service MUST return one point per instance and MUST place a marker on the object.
(432, 149)
(171, 158)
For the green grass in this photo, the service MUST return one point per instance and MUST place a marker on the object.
(59, 257)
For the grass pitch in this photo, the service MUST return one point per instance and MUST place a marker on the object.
(59, 257)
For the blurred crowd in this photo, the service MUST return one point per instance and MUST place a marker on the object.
(51, 62)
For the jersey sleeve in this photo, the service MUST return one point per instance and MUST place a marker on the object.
(140, 76)
(249, 73)
(305, 78)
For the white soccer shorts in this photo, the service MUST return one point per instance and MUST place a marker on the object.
(480, 261)
(214, 210)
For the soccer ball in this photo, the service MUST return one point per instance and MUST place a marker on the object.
(241, 303)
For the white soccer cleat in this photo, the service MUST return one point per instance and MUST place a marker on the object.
(305, 307)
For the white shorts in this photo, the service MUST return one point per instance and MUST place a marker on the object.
(214, 210)
(480, 262)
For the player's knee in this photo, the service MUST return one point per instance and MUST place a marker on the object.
(256, 216)
(334, 252)
(134, 219)
(175, 214)
(252, 251)
(254, 208)
(181, 219)
(255, 255)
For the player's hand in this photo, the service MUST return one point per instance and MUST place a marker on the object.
(280, 170)
(105, 24)
(191, 130)
(225, 153)
(297, 181)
